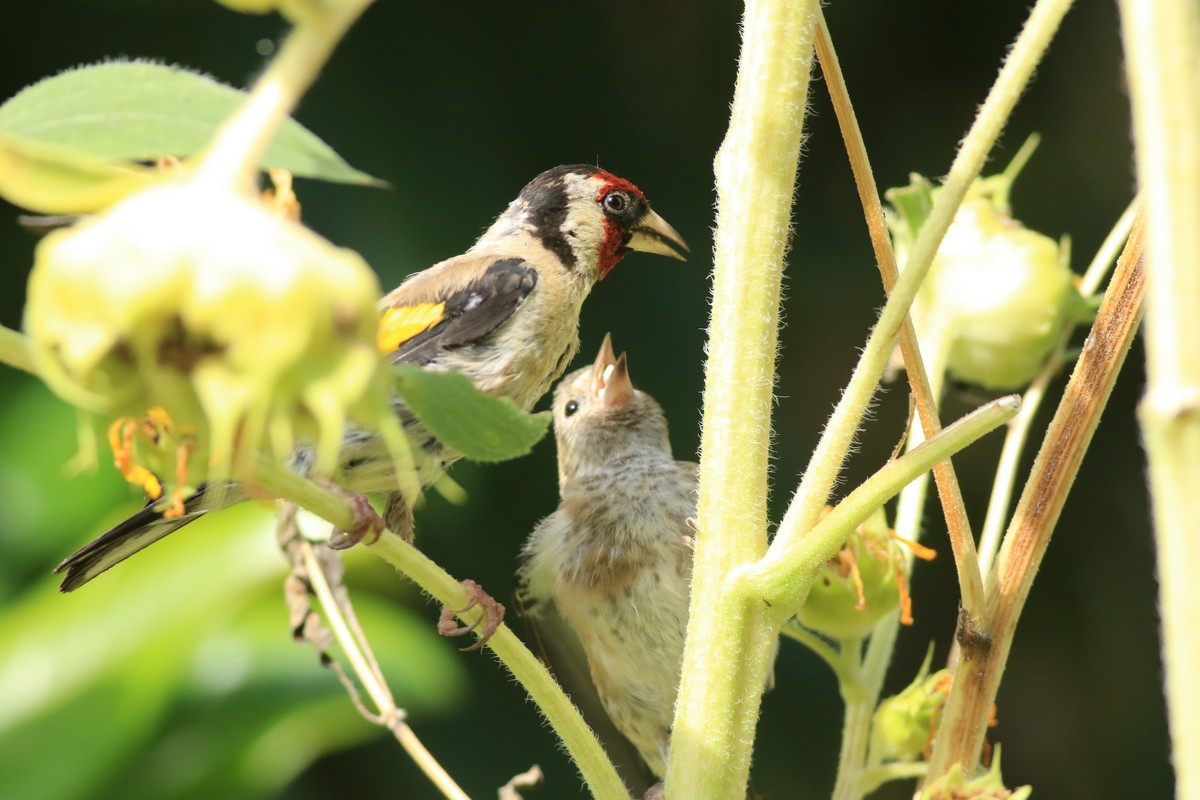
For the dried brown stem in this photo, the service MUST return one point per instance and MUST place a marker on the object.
(317, 570)
(962, 540)
(986, 643)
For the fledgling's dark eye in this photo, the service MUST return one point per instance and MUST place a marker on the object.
(571, 408)
(616, 202)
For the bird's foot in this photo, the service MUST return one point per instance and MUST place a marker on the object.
(492, 616)
(367, 522)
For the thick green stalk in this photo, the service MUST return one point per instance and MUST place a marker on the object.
(729, 641)
(1162, 49)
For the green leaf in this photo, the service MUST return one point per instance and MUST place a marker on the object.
(136, 110)
(478, 425)
(52, 179)
(912, 203)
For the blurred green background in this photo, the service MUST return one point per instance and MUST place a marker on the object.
(174, 676)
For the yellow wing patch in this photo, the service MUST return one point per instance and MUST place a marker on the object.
(398, 325)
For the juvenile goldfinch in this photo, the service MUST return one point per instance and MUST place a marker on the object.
(614, 562)
(505, 313)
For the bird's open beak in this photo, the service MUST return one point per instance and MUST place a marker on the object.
(653, 234)
(611, 385)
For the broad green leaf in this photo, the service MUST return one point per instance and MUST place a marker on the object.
(481, 427)
(56, 179)
(136, 110)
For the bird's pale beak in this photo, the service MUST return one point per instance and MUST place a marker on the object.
(653, 234)
(611, 385)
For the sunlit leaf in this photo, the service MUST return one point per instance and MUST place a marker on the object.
(58, 179)
(479, 426)
(135, 110)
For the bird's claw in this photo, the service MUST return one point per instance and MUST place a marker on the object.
(366, 522)
(492, 616)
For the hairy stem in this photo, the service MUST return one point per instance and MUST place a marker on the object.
(985, 651)
(233, 157)
(961, 539)
(729, 640)
(1162, 50)
(830, 453)
(581, 743)
(783, 579)
(856, 724)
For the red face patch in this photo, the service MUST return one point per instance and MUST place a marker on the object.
(610, 248)
(612, 182)
(614, 236)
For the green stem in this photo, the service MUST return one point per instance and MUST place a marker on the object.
(1162, 48)
(962, 541)
(783, 579)
(14, 350)
(830, 453)
(856, 725)
(577, 737)
(792, 629)
(581, 743)
(1014, 76)
(233, 157)
(730, 642)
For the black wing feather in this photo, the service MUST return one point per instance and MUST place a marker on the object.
(472, 312)
(128, 537)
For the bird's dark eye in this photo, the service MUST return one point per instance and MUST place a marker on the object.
(616, 201)
(572, 407)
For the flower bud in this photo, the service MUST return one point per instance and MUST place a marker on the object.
(857, 586)
(904, 723)
(988, 786)
(997, 296)
(235, 325)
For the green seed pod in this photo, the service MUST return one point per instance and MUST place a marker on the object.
(235, 325)
(997, 296)
(856, 587)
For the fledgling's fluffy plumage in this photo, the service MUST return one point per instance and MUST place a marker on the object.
(505, 313)
(614, 561)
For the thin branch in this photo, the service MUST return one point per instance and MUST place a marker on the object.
(581, 743)
(829, 455)
(962, 541)
(782, 579)
(984, 652)
(319, 574)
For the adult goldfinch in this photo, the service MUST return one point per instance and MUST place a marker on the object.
(504, 313)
